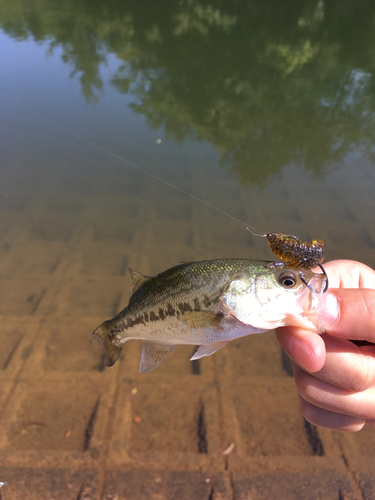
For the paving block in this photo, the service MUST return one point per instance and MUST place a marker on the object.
(256, 355)
(116, 229)
(89, 297)
(49, 484)
(5, 389)
(102, 259)
(179, 418)
(17, 339)
(257, 428)
(293, 487)
(160, 485)
(41, 259)
(22, 297)
(66, 345)
(57, 416)
(358, 444)
(366, 483)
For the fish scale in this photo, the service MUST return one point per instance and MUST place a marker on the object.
(209, 303)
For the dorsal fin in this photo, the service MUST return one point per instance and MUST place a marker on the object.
(138, 279)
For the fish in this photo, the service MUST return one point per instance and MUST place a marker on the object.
(298, 253)
(208, 304)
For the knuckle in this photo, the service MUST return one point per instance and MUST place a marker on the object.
(360, 377)
(305, 387)
(308, 411)
(311, 390)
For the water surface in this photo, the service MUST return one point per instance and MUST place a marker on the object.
(263, 110)
(272, 123)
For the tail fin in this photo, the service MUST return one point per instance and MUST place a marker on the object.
(103, 335)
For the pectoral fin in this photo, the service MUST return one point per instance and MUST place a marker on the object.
(208, 349)
(153, 354)
(201, 319)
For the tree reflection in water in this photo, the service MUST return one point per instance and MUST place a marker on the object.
(267, 83)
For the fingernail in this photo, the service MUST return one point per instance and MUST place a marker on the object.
(330, 311)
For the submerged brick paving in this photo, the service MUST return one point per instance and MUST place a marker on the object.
(73, 429)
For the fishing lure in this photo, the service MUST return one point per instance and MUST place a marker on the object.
(298, 253)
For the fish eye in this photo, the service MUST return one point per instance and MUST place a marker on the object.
(288, 280)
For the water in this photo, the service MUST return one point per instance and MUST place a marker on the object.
(277, 129)
(267, 113)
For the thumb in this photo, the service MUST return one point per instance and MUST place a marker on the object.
(304, 347)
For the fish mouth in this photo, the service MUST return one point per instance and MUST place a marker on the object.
(310, 298)
(325, 282)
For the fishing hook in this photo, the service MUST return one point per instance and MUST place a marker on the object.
(325, 274)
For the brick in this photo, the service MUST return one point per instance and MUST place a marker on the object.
(66, 345)
(366, 482)
(16, 344)
(358, 444)
(262, 429)
(293, 487)
(251, 359)
(21, 297)
(144, 417)
(49, 484)
(51, 416)
(42, 258)
(160, 485)
(89, 297)
(102, 259)
(116, 229)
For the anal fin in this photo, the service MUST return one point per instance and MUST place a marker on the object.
(153, 353)
(208, 349)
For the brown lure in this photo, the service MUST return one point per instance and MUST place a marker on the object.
(298, 253)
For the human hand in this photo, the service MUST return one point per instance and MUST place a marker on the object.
(335, 377)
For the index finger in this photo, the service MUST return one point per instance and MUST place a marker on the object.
(349, 274)
(356, 320)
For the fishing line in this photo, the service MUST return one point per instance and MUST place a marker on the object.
(251, 229)
(146, 172)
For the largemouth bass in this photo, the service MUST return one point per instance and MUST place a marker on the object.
(209, 303)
